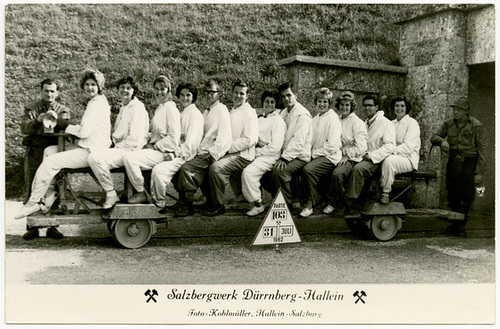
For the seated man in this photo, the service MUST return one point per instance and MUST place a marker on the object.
(405, 156)
(130, 134)
(272, 131)
(245, 133)
(35, 141)
(297, 145)
(381, 143)
(326, 146)
(214, 145)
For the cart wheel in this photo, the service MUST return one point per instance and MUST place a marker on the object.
(110, 224)
(385, 227)
(132, 233)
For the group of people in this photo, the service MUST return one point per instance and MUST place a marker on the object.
(211, 147)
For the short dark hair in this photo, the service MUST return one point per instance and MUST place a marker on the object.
(192, 89)
(240, 83)
(266, 94)
(131, 82)
(401, 99)
(372, 97)
(212, 83)
(49, 81)
(285, 86)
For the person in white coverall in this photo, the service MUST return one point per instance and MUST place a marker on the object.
(164, 139)
(354, 136)
(272, 129)
(325, 152)
(245, 133)
(214, 145)
(130, 133)
(191, 135)
(406, 155)
(297, 145)
(381, 143)
(93, 134)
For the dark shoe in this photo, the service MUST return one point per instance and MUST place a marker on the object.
(206, 206)
(177, 206)
(186, 210)
(53, 233)
(457, 229)
(31, 234)
(217, 210)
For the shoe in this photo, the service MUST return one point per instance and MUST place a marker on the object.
(53, 233)
(385, 199)
(110, 201)
(204, 206)
(28, 209)
(31, 234)
(217, 210)
(328, 209)
(256, 211)
(295, 205)
(138, 198)
(457, 229)
(176, 206)
(306, 212)
(186, 210)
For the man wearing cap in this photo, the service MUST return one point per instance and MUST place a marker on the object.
(462, 137)
(32, 126)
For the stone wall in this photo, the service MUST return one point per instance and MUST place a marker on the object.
(481, 35)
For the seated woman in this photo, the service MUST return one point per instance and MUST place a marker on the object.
(406, 155)
(130, 134)
(354, 145)
(272, 130)
(93, 134)
(163, 141)
(192, 123)
(326, 148)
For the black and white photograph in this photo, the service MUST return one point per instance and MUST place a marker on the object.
(257, 163)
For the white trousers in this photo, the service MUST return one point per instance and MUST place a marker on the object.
(250, 178)
(162, 175)
(102, 161)
(136, 161)
(391, 166)
(73, 159)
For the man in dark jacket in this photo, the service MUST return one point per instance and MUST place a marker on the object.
(462, 137)
(32, 126)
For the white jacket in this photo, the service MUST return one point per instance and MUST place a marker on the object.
(166, 128)
(326, 141)
(354, 137)
(244, 131)
(191, 132)
(272, 131)
(217, 131)
(407, 139)
(381, 137)
(298, 135)
(95, 128)
(131, 126)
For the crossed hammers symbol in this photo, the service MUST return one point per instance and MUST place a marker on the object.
(359, 294)
(151, 295)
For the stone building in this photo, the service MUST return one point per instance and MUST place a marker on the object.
(444, 55)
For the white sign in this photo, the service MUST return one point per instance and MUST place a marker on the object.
(278, 226)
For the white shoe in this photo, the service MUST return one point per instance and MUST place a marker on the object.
(328, 209)
(28, 209)
(110, 201)
(306, 212)
(255, 211)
